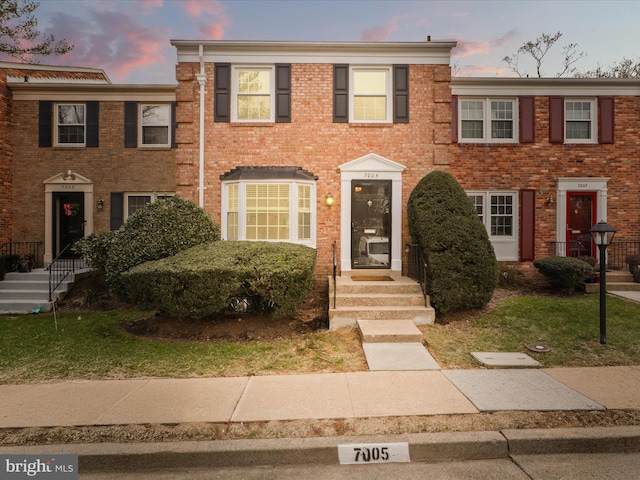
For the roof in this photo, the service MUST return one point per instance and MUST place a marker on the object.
(268, 173)
(22, 72)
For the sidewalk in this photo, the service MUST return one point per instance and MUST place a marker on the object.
(317, 396)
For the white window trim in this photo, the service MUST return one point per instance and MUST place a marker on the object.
(486, 120)
(154, 197)
(234, 92)
(389, 92)
(56, 125)
(293, 209)
(140, 127)
(594, 121)
(505, 246)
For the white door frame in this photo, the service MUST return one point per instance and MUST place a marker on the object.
(371, 167)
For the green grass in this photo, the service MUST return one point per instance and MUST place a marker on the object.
(91, 345)
(570, 326)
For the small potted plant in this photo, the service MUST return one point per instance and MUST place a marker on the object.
(633, 261)
(25, 263)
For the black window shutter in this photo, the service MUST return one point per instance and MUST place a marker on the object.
(283, 93)
(454, 118)
(222, 92)
(556, 119)
(401, 94)
(93, 124)
(117, 210)
(341, 94)
(45, 119)
(527, 119)
(606, 119)
(174, 125)
(130, 124)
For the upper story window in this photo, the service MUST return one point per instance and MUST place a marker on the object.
(579, 117)
(155, 125)
(70, 124)
(371, 99)
(253, 95)
(488, 120)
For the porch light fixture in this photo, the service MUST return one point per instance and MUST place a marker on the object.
(100, 204)
(602, 234)
(328, 200)
(549, 201)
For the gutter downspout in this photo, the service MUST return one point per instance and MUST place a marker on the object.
(202, 79)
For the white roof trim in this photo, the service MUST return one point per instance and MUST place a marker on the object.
(371, 162)
(438, 53)
(482, 86)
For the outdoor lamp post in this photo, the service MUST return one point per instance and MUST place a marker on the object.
(602, 234)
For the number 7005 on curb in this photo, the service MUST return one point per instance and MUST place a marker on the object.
(364, 453)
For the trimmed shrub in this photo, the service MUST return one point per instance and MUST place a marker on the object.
(95, 248)
(157, 230)
(565, 273)
(462, 270)
(202, 280)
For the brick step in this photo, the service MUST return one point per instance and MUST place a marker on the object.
(388, 331)
(348, 316)
(379, 300)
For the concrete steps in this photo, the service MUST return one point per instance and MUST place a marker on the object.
(617, 281)
(385, 307)
(22, 293)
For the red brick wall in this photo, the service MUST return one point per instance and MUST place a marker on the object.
(538, 165)
(6, 161)
(312, 140)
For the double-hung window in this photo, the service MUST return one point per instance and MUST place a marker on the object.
(155, 125)
(498, 212)
(371, 97)
(70, 124)
(253, 95)
(488, 120)
(134, 201)
(580, 124)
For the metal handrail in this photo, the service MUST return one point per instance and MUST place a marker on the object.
(335, 268)
(62, 268)
(419, 272)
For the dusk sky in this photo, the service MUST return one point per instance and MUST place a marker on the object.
(130, 39)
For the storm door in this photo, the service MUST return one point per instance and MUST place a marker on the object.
(370, 223)
(581, 216)
(68, 221)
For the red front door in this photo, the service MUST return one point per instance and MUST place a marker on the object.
(581, 216)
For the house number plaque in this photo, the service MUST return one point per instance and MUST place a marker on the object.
(364, 453)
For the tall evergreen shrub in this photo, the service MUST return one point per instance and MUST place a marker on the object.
(462, 270)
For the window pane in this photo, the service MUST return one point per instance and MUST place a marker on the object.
(472, 129)
(304, 212)
(578, 130)
(134, 202)
(155, 135)
(254, 81)
(370, 108)
(370, 82)
(472, 110)
(155, 114)
(501, 129)
(254, 107)
(501, 215)
(71, 114)
(478, 201)
(501, 110)
(267, 211)
(578, 111)
(70, 134)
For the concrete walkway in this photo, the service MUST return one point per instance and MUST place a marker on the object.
(317, 396)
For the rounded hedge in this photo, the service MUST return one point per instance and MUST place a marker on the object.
(565, 273)
(157, 230)
(462, 270)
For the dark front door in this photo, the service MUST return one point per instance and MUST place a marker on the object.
(581, 216)
(370, 223)
(68, 221)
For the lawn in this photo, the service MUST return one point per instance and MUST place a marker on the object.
(92, 345)
(569, 326)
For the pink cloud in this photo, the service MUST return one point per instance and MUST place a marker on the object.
(212, 31)
(196, 8)
(380, 33)
(109, 40)
(465, 48)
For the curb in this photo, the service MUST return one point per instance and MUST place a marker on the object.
(423, 447)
